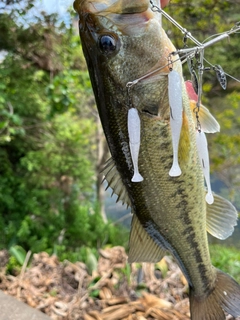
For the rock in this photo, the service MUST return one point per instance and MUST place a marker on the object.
(12, 309)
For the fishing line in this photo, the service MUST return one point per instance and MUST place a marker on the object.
(200, 46)
(155, 8)
(136, 81)
(185, 58)
(227, 74)
(212, 36)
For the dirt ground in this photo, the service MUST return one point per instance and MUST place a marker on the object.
(113, 291)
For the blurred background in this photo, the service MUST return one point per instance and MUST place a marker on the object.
(52, 148)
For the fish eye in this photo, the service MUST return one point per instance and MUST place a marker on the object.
(107, 44)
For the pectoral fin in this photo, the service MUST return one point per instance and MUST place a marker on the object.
(208, 123)
(142, 246)
(221, 218)
(114, 181)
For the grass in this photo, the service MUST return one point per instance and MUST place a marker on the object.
(226, 259)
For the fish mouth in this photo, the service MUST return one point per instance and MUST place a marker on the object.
(111, 6)
(129, 17)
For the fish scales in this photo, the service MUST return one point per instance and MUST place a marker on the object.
(123, 41)
(178, 200)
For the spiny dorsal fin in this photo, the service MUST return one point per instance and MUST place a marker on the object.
(114, 181)
(221, 218)
(142, 246)
(208, 123)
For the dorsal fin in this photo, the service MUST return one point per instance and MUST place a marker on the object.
(142, 247)
(114, 181)
(221, 218)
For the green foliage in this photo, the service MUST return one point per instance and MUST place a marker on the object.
(226, 259)
(126, 272)
(18, 253)
(13, 266)
(93, 291)
(163, 267)
(91, 261)
(89, 232)
(47, 138)
(69, 88)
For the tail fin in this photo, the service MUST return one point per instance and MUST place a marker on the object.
(224, 297)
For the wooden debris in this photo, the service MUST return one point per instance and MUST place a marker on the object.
(116, 291)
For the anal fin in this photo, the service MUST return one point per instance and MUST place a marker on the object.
(142, 246)
(221, 218)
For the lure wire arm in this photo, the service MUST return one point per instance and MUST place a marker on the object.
(196, 52)
(188, 34)
(174, 22)
(191, 52)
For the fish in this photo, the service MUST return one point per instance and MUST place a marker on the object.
(129, 60)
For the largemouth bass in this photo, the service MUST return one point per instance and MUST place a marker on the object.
(122, 41)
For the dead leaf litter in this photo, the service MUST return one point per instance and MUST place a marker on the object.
(114, 291)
